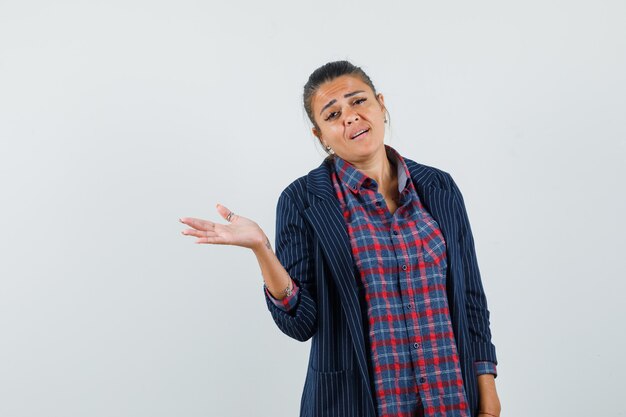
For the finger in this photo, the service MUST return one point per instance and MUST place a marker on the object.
(224, 212)
(212, 240)
(199, 233)
(198, 224)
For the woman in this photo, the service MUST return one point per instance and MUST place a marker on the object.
(375, 262)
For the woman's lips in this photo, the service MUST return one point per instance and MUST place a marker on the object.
(363, 133)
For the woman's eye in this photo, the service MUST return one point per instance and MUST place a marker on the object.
(331, 115)
(359, 101)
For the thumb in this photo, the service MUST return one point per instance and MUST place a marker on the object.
(223, 211)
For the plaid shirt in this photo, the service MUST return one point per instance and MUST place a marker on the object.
(401, 258)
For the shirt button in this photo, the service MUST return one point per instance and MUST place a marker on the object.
(409, 306)
(395, 232)
(378, 203)
(416, 345)
(404, 267)
(422, 380)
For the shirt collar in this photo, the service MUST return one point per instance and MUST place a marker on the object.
(355, 179)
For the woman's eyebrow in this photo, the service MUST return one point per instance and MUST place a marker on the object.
(333, 101)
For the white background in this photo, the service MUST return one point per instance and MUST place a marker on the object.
(119, 117)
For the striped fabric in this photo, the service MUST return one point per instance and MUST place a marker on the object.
(313, 244)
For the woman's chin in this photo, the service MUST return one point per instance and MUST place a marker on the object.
(364, 150)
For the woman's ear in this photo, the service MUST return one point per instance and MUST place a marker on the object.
(381, 101)
(318, 135)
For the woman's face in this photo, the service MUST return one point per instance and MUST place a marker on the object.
(350, 118)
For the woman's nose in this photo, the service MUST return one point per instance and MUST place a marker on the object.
(351, 116)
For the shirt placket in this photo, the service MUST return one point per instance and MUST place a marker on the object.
(380, 215)
(400, 233)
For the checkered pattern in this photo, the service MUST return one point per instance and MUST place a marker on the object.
(401, 258)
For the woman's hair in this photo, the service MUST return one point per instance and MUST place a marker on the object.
(329, 72)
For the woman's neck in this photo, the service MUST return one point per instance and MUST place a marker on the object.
(381, 170)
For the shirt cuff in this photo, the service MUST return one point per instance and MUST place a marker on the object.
(485, 367)
(287, 303)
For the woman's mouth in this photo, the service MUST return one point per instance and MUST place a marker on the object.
(361, 133)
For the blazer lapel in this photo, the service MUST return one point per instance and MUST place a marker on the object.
(440, 204)
(324, 215)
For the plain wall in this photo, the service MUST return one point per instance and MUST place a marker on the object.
(119, 117)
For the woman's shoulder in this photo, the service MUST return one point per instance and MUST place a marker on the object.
(428, 174)
(295, 193)
(316, 181)
(296, 188)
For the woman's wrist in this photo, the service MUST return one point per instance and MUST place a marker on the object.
(489, 403)
(283, 292)
(262, 244)
(275, 278)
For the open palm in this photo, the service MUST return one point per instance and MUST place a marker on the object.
(241, 231)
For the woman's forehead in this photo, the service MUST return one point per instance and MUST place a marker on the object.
(336, 89)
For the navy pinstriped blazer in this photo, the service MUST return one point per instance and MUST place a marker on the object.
(312, 244)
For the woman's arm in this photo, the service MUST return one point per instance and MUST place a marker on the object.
(293, 250)
(478, 314)
(245, 233)
(274, 274)
(476, 301)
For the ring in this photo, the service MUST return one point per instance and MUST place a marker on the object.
(230, 215)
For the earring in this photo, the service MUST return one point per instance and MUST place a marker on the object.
(385, 120)
(330, 150)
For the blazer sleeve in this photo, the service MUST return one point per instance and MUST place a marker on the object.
(294, 251)
(476, 301)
